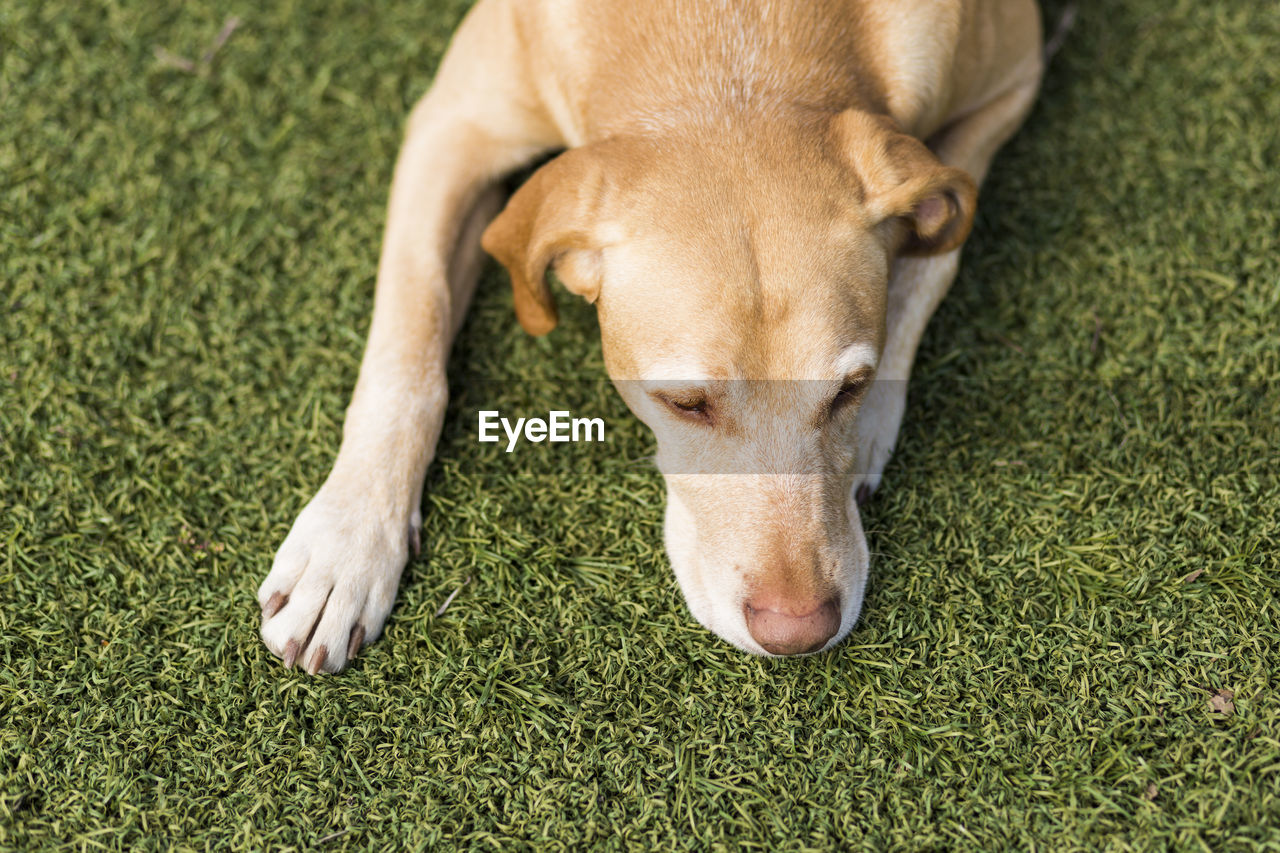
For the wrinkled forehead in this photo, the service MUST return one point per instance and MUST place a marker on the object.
(759, 305)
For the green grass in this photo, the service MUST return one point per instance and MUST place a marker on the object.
(186, 266)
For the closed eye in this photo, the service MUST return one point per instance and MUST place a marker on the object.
(851, 391)
(692, 408)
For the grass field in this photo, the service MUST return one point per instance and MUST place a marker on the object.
(1074, 547)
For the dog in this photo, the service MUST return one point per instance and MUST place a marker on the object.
(764, 199)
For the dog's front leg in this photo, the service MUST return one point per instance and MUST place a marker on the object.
(334, 579)
(917, 285)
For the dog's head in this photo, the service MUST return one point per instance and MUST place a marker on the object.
(741, 277)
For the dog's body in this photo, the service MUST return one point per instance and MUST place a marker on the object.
(747, 200)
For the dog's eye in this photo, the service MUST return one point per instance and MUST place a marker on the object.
(850, 392)
(691, 408)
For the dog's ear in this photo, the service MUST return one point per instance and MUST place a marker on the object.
(552, 221)
(926, 207)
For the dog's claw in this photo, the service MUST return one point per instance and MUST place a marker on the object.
(415, 540)
(291, 653)
(357, 640)
(863, 494)
(274, 603)
(317, 660)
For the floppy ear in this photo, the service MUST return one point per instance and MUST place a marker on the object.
(552, 220)
(926, 206)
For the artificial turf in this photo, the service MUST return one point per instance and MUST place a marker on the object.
(1074, 548)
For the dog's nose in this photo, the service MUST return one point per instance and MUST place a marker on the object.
(790, 627)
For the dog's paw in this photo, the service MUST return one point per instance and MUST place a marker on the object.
(334, 581)
(871, 461)
(878, 423)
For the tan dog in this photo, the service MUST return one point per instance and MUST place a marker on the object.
(766, 201)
